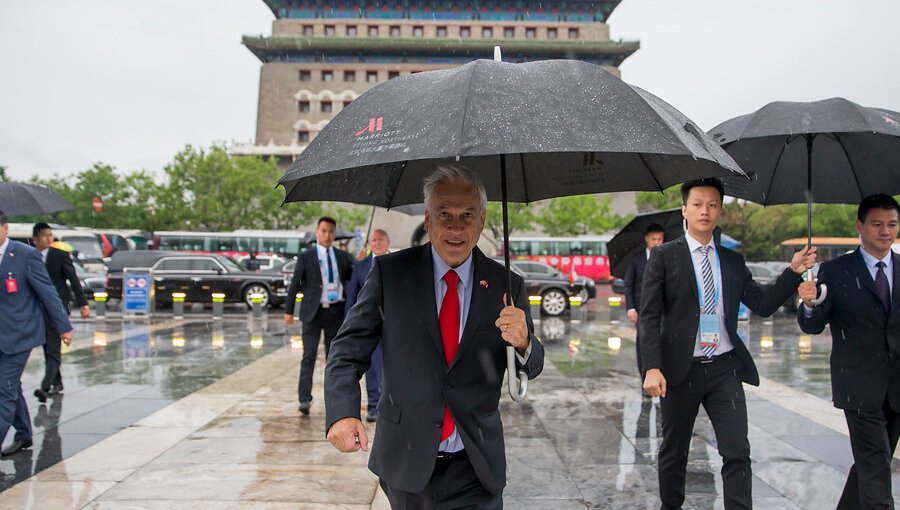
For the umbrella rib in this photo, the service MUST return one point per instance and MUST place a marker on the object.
(649, 169)
(850, 162)
(462, 123)
(775, 169)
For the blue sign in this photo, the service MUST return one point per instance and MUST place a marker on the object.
(136, 292)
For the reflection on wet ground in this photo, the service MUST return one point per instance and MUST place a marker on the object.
(199, 415)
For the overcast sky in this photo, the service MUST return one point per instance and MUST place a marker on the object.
(129, 83)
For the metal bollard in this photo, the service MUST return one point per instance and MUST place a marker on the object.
(576, 312)
(218, 299)
(535, 302)
(615, 309)
(297, 303)
(256, 299)
(178, 305)
(100, 304)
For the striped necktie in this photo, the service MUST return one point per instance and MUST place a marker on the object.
(709, 295)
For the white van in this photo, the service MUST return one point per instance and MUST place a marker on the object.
(87, 247)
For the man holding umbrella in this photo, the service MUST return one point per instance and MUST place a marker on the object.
(861, 306)
(441, 315)
(634, 277)
(690, 347)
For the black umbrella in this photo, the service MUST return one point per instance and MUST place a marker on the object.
(20, 199)
(531, 131)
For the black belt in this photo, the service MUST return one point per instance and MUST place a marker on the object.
(704, 360)
(445, 456)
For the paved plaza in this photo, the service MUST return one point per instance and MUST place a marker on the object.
(200, 413)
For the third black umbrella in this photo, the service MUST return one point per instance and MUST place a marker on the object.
(20, 199)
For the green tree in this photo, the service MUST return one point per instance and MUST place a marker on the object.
(3, 173)
(520, 217)
(648, 201)
(578, 215)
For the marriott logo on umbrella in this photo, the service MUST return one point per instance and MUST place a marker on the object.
(374, 125)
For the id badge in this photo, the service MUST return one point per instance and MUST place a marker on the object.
(11, 286)
(709, 330)
(331, 291)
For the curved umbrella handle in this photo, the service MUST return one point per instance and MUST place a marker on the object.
(517, 394)
(823, 291)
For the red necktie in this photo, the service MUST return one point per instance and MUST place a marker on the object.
(449, 320)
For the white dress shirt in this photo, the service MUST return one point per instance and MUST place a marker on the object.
(694, 245)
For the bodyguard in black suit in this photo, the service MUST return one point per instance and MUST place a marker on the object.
(321, 275)
(439, 312)
(63, 276)
(862, 305)
(691, 350)
(634, 278)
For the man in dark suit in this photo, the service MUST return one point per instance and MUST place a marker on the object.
(862, 305)
(380, 243)
(25, 296)
(63, 276)
(634, 277)
(321, 275)
(440, 313)
(691, 351)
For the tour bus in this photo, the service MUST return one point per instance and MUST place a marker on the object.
(586, 255)
(240, 243)
(84, 244)
(827, 247)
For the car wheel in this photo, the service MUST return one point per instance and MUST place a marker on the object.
(554, 302)
(256, 288)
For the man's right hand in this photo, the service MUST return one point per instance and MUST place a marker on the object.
(655, 383)
(808, 292)
(66, 337)
(289, 319)
(348, 435)
(632, 316)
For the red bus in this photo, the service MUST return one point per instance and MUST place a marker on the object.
(585, 254)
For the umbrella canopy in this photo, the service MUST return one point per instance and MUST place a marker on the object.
(20, 199)
(630, 239)
(565, 127)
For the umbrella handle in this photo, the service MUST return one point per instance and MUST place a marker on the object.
(517, 394)
(823, 291)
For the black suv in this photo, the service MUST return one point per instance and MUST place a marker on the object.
(198, 276)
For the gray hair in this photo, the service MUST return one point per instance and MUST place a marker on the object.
(454, 173)
(382, 232)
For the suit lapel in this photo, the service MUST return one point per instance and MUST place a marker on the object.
(425, 295)
(861, 272)
(895, 293)
(480, 296)
(725, 269)
(685, 260)
(7, 260)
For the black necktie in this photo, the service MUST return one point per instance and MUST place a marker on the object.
(882, 287)
(330, 266)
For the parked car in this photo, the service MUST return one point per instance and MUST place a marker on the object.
(554, 289)
(90, 282)
(266, 262)
(535, 269)
(618, 286)
(198, 276)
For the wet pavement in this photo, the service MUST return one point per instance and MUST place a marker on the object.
(200, 413)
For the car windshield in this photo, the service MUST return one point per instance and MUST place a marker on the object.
(232, 265)
(87, 247)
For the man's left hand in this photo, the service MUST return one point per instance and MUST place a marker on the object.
(66, 338)
(513, 327)
(85, 312)
(803, 260)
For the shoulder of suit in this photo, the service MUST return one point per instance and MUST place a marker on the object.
(20, 247)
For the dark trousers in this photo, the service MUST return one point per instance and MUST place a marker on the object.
(13, 409)
(718, 388)
(52, 356)
(328, 320)
(637, 350)
(873, 438)
(373, 380)
(453, 484)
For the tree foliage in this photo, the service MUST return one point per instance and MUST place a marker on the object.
(520, 217)
(579, 215)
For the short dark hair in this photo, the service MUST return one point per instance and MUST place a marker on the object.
(706, 182)
(36, 229)
(2, 218)
(876, 201)
(654, 228)
(326, 219)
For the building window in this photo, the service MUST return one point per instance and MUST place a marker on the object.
(573, 33)
(371, 76)
(303, 106)
(395, 31)
(327, 76)
(552, 33)
(326, 106)
(393, 74)
(351, 30)
(308, 30)
(349, 75)
(530, 33)
(303, 136)
(373, 30)
(305, 76)
(329, 30)
(441, 31)
(465, 32)
(487, 33)
(509, 32)
(418, 31)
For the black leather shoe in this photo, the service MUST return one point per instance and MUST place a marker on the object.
(372, 417)
(41, 395)
(16, 447)
(304, 407)
(55, 390)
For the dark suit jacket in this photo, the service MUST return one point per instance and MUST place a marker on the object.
(60, 268)
(397, 306)
(670, 308)
(865, 338)
(308, 280)
(360, 272)
(22, 312)
(634, 278)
